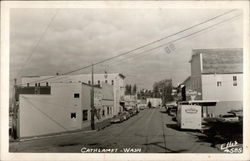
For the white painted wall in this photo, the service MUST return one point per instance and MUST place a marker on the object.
(118, 87)
(226, 92)
(47, 114)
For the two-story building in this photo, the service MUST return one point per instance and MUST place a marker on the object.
(216, 74)
(114, 79)
(65, 108)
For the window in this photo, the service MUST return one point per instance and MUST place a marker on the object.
(38, 84)
(112, 82)
(28, 84)
(84, 115)
(219, 83)
(76, 95)
(73, 115)
(107, 110)
(234, 80)
(47, 84)
(98, 82)
(89, 82)
(106, 81)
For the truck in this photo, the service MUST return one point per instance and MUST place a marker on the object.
(191, 113)
(155, 102)
(189, 116)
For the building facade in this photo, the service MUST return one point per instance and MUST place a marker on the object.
(216, 74)
(117, 80)
(66, 108)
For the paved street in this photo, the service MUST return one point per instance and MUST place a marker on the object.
(151, 131)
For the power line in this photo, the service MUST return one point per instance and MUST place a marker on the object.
(128, 52)
(38, 42)
(139, 54)
(153, 42)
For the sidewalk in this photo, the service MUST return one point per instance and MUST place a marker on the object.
(98, 126)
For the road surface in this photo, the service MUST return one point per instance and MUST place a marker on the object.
(151, 131)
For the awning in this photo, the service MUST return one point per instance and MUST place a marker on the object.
(201, 102)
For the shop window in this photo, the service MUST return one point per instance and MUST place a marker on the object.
(47, 84)
(38, 84)
(219, 83)
(106, 81)
(98, 82)
(84, 115)
(76, 95)
(73, 115)
(112, 82)
(28, 84)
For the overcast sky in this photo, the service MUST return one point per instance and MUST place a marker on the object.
(78, 37)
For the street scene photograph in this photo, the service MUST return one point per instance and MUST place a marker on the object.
(126, 80)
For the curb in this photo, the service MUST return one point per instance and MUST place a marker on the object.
(51, 136)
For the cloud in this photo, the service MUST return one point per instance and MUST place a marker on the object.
(79, 37)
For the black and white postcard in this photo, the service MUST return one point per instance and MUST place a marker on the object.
(123, 80)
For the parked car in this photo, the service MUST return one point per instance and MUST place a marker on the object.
(229, 118)
(126, 115)
(173, 112)
(142, 106)
(117, 118)
(131, 113)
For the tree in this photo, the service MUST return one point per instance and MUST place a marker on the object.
(128, 89)
(163, 89)
(134, 89)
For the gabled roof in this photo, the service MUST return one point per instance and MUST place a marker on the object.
(221, 61)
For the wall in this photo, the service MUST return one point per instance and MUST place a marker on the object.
(47, 114)
(195, 79)
(226, 92)
(118, 87)
(230, 97)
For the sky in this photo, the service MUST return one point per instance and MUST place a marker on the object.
(50, 41)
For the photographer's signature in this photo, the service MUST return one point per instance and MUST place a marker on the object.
(231, 147)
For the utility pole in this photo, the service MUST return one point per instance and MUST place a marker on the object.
(14, 117)
(92, 100)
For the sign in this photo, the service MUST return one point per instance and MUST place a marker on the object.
(191, 110)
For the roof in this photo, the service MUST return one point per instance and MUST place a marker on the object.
(186, 80)
(221, 61)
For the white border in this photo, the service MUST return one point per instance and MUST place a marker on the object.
(5, 7)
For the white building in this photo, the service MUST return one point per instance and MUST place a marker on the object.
(66, 108)
(114, 79)
(217, 74)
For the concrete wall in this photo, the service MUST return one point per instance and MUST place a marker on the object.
(47, 114)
